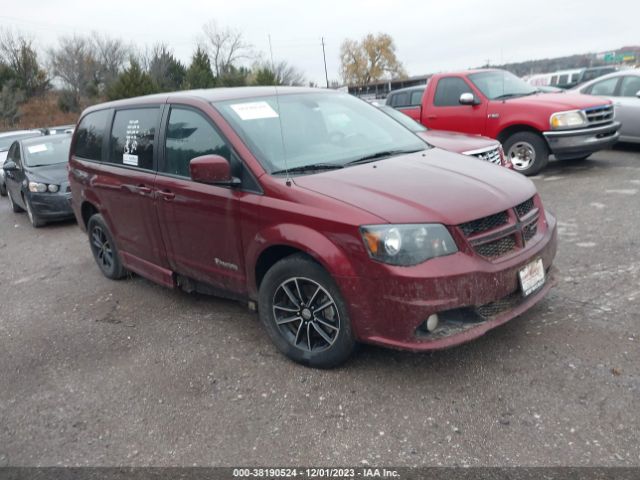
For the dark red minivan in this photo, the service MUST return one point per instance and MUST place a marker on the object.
(335, 221)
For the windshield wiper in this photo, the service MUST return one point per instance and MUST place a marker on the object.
(508, 95)
(314, 167)
(379, 155)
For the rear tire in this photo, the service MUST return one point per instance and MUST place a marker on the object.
(304, 313)
(104, 248)
(527, 151)
(14, 207)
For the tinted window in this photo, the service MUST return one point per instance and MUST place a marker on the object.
(630, 86)
(449, 90)
(400, 99)
(90, 135)
(605, 87)
(190, 135)
(132, 137)
(416, 97)
(563, 79)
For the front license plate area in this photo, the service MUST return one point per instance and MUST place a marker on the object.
(531, 277)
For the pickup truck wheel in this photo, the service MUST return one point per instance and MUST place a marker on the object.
(304, 313)
(104, 248)
(527, 151)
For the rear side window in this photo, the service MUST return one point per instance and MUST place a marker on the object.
(132, 137)
(449, 90)
(400, 99)
(190, 135)
(630, 86)
(90, 135)
(416, 98)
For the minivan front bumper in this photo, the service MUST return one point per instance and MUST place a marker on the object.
(469, 294)
(567, 144)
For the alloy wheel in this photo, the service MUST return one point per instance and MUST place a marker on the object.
(306, 314)
(522, 155)
(102, 248)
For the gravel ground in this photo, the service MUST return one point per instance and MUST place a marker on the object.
(96, 372)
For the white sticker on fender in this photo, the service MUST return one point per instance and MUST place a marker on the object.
(254, 110)
(129, 159)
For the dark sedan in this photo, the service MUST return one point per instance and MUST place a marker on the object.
(36, 178)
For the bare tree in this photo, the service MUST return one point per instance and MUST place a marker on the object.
(111, 56)
(74, 62)
(226, 47)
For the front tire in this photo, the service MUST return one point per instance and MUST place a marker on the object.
(36, 222)
(104, 248)
(14, 206)
(3, 190)
(304, 313)
(527, 151)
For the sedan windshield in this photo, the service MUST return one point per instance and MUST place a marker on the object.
(500, 85)
(316, 130)
(45, 151)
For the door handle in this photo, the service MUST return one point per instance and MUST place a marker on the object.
(166, 194)
(432, 117)
(139, 189)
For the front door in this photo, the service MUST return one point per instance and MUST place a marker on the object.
(200, 225)
(14, 179)
(446, 112)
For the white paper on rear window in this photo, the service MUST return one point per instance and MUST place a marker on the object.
(37, 148)
(254, 110)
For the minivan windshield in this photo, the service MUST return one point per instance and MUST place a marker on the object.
(49, 150)
(316, 131)
(499, 85)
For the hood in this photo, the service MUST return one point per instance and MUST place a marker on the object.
(556, 102)
(430, 186)
(457, 142)
(49, 174)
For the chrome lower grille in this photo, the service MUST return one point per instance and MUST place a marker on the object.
(491, 156)
(599, 115)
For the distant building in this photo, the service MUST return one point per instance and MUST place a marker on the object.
(382, 88)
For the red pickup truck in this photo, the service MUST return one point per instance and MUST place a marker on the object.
(531, 125)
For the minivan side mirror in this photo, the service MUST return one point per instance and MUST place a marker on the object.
(212, 169)
(9, 166)
(468, 98)
(638, 94)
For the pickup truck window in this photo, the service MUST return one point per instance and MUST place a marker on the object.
(416, 98)
(449, 90)
(500, 85)
(400, 99)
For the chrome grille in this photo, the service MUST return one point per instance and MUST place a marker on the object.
(599, 115)
(484, 224)
(491, 156)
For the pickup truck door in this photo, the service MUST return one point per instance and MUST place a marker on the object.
(442, 109)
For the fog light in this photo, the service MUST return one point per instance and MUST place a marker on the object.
(432, 322)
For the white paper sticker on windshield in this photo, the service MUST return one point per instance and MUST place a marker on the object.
(129, 159)
(254, 110)
(37, 148)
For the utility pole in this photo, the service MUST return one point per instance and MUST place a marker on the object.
(324, 56)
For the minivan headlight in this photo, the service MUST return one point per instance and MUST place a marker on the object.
(574, 118)
(37, 187)
(408, 244)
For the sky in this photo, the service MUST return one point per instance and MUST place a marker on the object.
(429, 36)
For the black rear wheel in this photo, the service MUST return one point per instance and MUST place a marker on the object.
(304, 313)
(104, 249)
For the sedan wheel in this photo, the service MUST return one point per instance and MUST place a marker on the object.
(36, 222)
(14, 207)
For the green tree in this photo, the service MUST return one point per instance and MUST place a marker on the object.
(18, 55)
(133, 82)
(265, 76)
(10, 99)
(199, 74)
(165, 70)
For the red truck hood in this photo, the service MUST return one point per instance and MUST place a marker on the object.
(557, 102)
(457, 142)
(430, 186)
